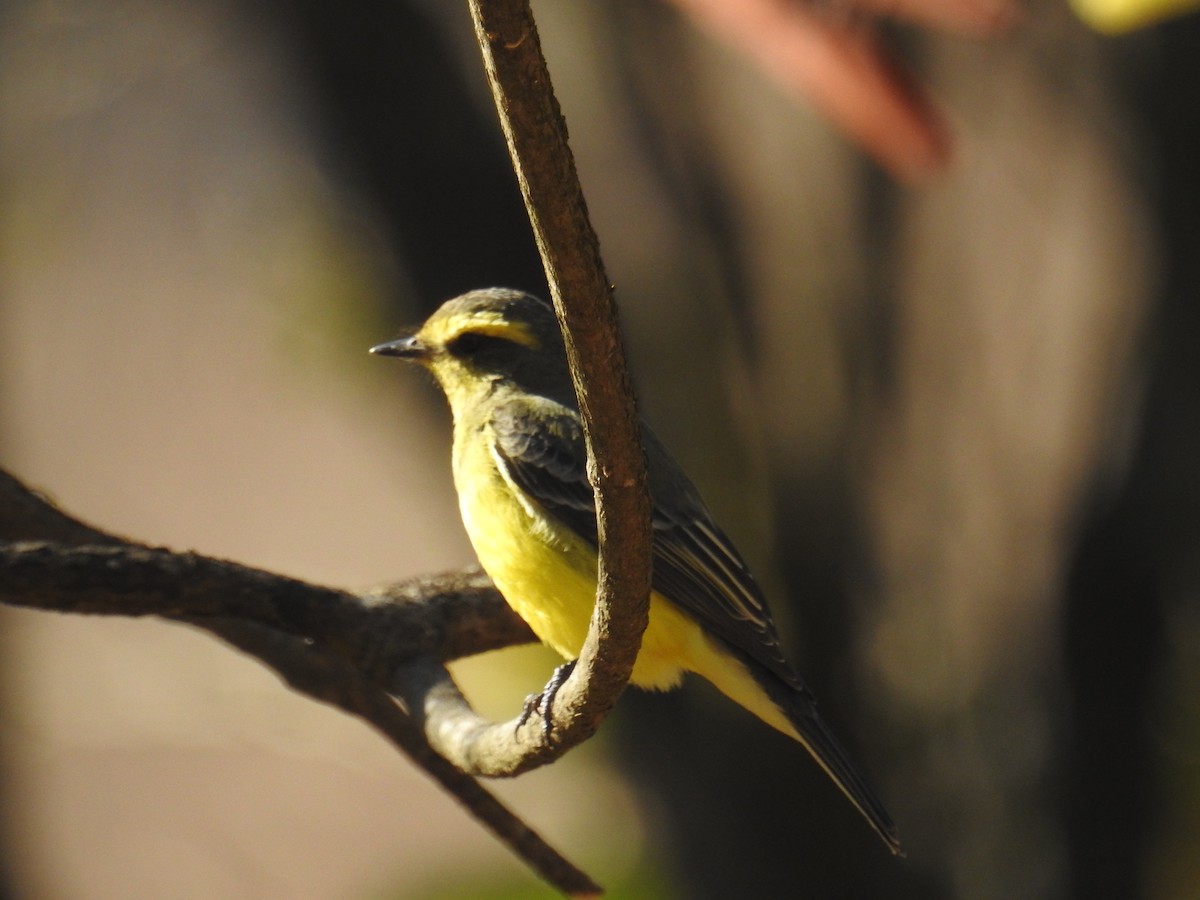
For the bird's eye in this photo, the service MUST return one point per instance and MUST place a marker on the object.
(471, 343)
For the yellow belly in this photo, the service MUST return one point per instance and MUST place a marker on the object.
(548, 576)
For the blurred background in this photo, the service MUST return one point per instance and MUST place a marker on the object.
(955, 428)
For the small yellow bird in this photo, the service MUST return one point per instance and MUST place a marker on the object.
(520, 471)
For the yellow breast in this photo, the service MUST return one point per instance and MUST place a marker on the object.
(548, 574)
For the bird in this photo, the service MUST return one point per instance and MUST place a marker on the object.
(520, 471)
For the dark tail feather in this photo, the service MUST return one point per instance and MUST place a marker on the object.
(801, 709)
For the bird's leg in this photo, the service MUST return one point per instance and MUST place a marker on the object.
(543, 703)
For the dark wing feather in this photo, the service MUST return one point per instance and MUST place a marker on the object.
(695, 565)
(547, 460)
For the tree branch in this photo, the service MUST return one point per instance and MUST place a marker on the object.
(443, 616)
(545, 167)
(341, 648)
(327, 678)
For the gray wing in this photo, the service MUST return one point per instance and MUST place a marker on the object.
(695, 565)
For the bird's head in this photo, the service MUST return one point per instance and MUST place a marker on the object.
(485, 337)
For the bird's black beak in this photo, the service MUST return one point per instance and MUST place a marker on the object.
(405, 348)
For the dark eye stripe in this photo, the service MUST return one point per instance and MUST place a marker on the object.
(472, 343)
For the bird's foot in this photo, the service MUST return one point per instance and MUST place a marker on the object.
(543, 703)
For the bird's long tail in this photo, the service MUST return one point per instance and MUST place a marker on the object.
(811, 730)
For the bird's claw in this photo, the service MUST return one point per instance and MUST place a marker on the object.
(543, 703)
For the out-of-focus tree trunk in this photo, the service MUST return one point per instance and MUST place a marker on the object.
(1131, 621)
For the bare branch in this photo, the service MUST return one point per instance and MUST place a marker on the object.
(338, 647)
(442, 616)
(327, 678)
(545, 167)
(26, 515)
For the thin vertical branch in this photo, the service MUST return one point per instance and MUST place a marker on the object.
(537, 140)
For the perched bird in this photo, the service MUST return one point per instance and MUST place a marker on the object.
(520, 470)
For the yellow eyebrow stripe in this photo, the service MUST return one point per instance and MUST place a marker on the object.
(509, 331)
(493, 325)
